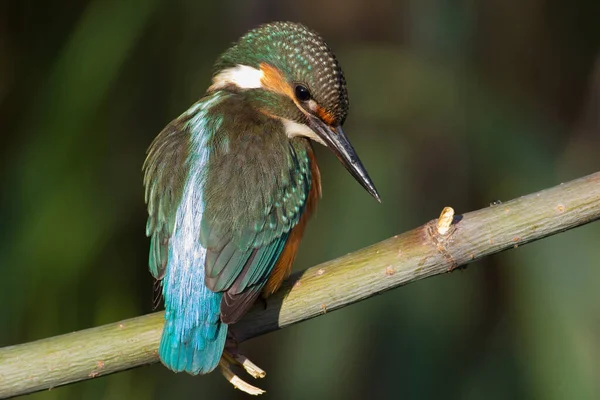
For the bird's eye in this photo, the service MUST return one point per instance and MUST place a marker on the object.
(302, 93)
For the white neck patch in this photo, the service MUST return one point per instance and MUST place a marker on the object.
(242, 76)
(293, 129)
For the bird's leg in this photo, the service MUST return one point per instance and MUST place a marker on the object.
(231, 356)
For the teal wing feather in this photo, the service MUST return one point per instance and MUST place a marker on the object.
(255, 269)
(241, 254)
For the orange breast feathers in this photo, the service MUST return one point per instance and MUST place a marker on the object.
(283, 267)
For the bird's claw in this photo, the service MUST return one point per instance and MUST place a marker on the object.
(242, 361)
(234, 358)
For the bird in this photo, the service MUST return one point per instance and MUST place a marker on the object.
(231, 183)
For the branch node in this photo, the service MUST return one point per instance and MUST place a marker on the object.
(441, 232)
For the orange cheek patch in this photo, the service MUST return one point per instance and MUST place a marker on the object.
(273, 80)
(325, 116)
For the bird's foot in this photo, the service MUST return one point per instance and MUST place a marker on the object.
(232, 357)
(242, 361)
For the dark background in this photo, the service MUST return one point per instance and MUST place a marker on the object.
(452, 103)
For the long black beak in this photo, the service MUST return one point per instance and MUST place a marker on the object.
(336, 140)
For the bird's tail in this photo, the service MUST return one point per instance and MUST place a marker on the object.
(194, 336)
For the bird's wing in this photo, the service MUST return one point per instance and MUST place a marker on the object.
(241, 256)
(164, 181)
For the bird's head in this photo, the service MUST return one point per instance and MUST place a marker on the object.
(288, 72)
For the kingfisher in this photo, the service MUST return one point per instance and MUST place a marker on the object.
(231, 183)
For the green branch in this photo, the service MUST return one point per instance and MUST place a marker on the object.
(402, 259)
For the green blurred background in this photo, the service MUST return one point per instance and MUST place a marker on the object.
(452, 103)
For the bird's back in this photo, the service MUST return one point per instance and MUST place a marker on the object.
(225, 190)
